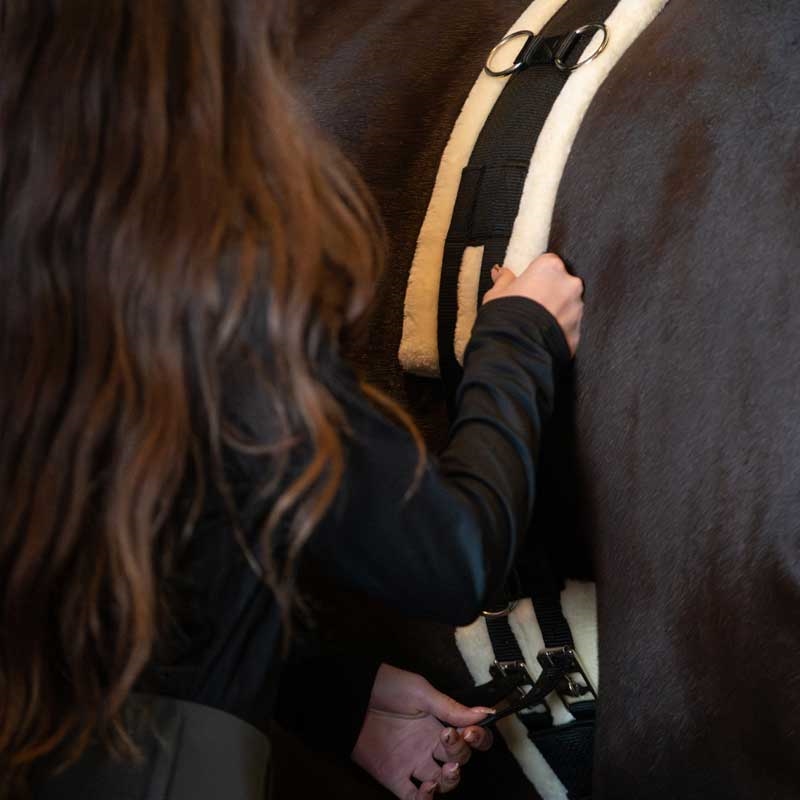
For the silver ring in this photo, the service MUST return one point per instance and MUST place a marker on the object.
(592, 26)
(504, 613)
(496, 49)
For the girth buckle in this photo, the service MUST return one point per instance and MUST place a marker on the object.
(565, 661)
(516, 671)
(562, 672)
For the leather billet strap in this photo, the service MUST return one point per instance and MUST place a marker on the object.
(189, 752)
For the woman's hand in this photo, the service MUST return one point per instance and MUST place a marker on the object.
(402, 735)
(546, 281)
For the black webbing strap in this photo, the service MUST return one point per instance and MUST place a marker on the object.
(568, 750)
(555, 629)
(504, 643)
(538, 577)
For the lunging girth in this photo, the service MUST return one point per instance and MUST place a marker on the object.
(482, 223)
(492, 203)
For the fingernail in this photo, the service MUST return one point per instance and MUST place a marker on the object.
(433, 789)
(496, 268)
(454, 771)
(470, 737)
(449, 736)
(483, 710)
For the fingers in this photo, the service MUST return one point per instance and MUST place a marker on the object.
(427, 770)
(547, 281)
(448, 780)
(451, 747)
(451, 712)
(451, 777)
(478, 738)
(502, 277)
(457, 746)
(548, 261)
(552, 262)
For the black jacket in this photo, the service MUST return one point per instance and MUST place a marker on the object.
(436, 551)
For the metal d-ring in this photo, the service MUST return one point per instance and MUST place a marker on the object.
(569, 41)
(496, 49)
(514, 585)
(510, 606)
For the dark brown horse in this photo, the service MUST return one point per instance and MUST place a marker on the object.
(680, 209)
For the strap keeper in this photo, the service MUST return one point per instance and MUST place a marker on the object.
(537, 50)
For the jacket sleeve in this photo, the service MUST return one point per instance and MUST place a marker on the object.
(437, 546)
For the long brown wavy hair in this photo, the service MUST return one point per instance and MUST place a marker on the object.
(162, 201)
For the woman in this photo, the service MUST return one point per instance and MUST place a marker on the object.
(181, 256)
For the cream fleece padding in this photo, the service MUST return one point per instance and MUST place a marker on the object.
(475, 646)
(419, 351)
(579, 604)
(469, 277)
(532, 226)
(530, 758)
(419, 348)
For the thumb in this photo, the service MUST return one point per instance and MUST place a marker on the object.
(502, 276)
(451, 712)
